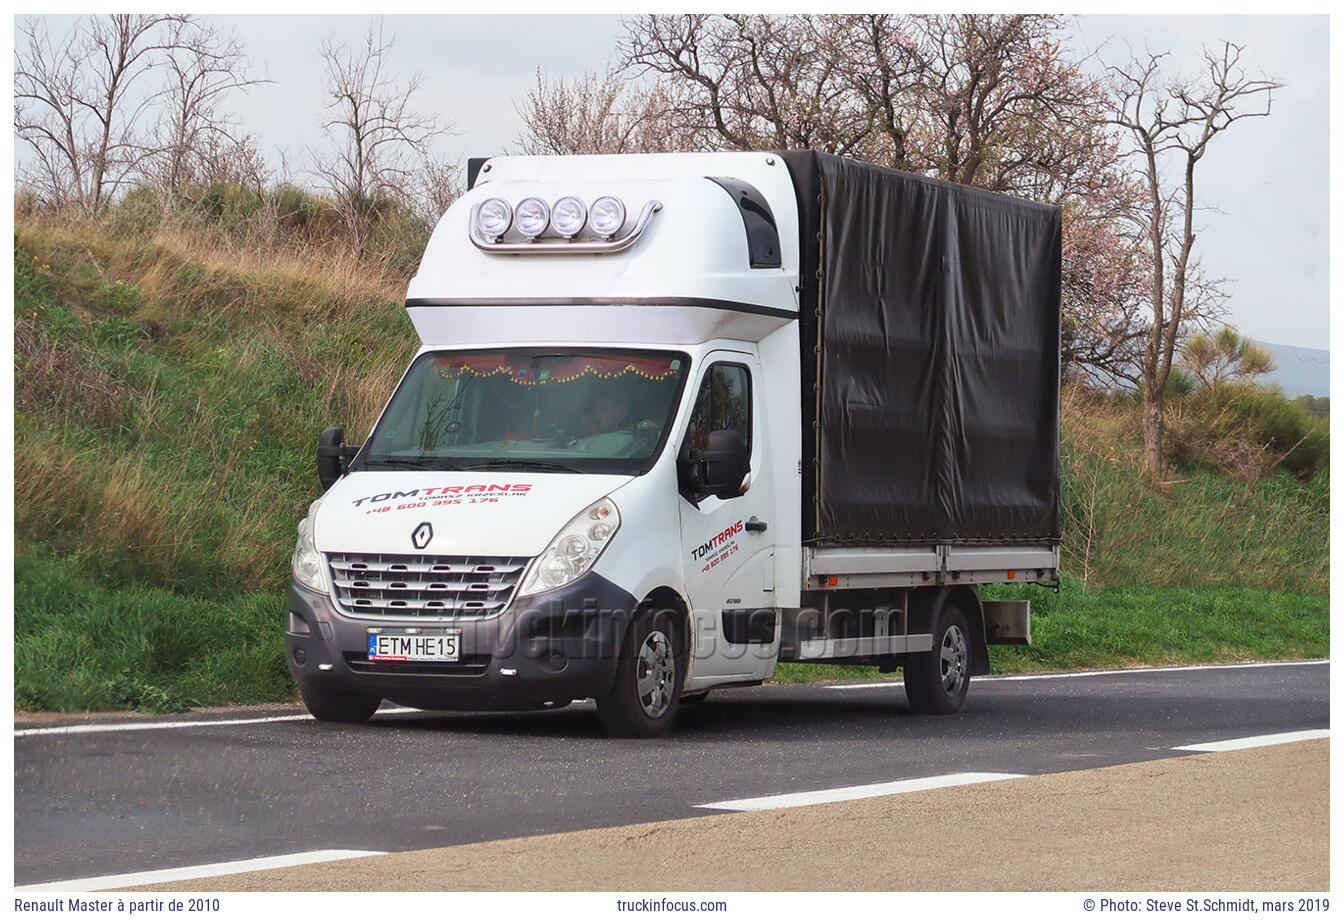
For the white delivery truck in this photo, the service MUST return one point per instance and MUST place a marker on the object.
(677, 418)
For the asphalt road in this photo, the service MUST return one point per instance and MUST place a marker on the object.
(107, 802)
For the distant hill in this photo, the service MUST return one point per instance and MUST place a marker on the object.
(1300, 371)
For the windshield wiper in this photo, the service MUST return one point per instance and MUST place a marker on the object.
(414, 463)
(542, 466)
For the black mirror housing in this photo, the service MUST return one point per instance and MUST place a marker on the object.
(716, 469)
(333, 456)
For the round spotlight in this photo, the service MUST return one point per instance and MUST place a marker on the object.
(493, 217)
(568, 216)
(533, 217)
(607, 216)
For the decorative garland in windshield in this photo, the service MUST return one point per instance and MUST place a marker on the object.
(560, 371)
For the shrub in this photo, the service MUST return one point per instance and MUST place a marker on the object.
(141, 210)
(1204, 528)
(228, 205)
(299, 212)
(1248, 431)
(1315, 406)
(1180, 382)
(397, 240)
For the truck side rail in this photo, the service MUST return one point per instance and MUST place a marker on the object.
(842, 568)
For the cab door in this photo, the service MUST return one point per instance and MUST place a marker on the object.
(728, 542)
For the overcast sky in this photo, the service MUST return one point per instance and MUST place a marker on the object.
(1268, 178)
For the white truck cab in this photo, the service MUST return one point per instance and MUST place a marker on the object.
(600, 478)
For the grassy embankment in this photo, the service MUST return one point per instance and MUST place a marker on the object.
(168, 394)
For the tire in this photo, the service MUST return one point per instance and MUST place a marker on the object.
(694, 699)
(643, 699)
(338, 705)
(936, 681)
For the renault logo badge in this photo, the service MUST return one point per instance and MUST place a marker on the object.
(421, 536)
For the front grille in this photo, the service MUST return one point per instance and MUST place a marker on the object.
(375, 587)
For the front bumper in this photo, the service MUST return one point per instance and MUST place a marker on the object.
(553, 647)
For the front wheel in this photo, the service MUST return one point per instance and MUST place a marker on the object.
(643, 698)
(338, 705)
(937, 680)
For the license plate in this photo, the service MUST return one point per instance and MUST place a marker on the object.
(416, 647)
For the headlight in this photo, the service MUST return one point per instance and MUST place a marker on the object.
(575, 548)
(607, 216)
(494, 217)
(307, 565)
(534, 216)
(568, 216)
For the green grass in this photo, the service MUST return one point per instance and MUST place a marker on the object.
(80, 645)
(166, 412)
(169, 393)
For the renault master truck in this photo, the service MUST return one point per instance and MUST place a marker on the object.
(677, 418)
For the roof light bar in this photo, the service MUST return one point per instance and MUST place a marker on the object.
(528, 219)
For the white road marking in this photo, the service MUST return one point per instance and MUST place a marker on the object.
(1255, 741)
(848, 793)
(90, 728)
(1115, 672)
(187, 873)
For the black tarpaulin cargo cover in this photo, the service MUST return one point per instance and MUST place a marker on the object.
(930, 348)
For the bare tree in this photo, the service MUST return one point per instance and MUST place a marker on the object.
(1103, 324)
(599, 113)
(989, 100)
(751, 82)
(233, 159)
(197, 140)
(437, 184)
(983, 77)
(998, 101)
(1168, 125)
(80, 105)
(884, 66)
(380, 139)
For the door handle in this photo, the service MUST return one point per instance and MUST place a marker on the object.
(755, 525)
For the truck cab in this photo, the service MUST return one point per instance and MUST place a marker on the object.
(589, 482)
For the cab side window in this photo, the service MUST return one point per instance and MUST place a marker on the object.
(724, 401)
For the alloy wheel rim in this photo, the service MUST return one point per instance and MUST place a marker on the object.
(655, 674)
(952, 660)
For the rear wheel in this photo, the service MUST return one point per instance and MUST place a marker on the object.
(643, 698)
(936, 681)
(338, 705)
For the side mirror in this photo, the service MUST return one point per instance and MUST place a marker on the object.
(333, 456)
(717, 469)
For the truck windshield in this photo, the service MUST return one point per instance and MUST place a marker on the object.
(587, 412)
